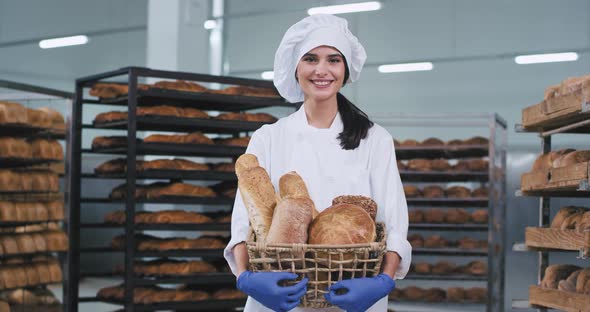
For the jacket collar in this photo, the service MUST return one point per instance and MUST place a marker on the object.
(302, 124)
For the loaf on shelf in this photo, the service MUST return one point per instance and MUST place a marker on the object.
(112, 90)
(28, 181)
(15, 148)
(572, 218)
(171, 267)
(452, 294)
(159, 217)
(154, 294)
(257, 117)
(160, 189)
(28, 275)
(31, 211)
(241, 142)
(44, 117)
(148, 242)
(191, 138)
(119, 165)
(110, 141)
(161, 110)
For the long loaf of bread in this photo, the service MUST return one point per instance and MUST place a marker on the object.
(258, 194)
(291, 185)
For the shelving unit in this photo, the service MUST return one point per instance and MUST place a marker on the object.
(31, 96)
(135, 98)
(543, 239)
(494, 178)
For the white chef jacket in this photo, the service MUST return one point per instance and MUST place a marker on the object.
(291, 144)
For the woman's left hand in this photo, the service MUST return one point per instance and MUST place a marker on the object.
(362, 292)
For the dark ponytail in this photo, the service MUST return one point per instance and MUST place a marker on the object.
(355, 122)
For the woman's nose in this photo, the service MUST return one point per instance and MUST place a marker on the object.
(320, 69)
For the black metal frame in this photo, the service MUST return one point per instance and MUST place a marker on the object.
(27, 131)
(132, 124)
(496, 205)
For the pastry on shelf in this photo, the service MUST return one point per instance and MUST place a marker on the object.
(565, 213)
(435, 241)
(412, 191)
(171, 111)
(440, 165)
(241, 142)
(480, 192)
(475, 268)
(455, 294)
(432, 142)
(409, 143)
(433, 191)
(46, 149)
(458, 192)
(454, 142)
(228, 294)
(257, 117)
(174, 164)
(172, 216)
(37, 118)
(416, 216)
(110, 141)
(570, 283)
(423, 268)
(476, 140)
(191, 138)
(468, 243)
(414, 293)
(443, 268)
(416, 240)
(457, 216)
(397, 294)
(479, 216)
(15, 148)
(419, 164)
(109, 117)
(180, 85)
(434, 215)
(476, 294)
(557, 272)
(247, 91)
(112, 90)
(544, 162)
(56, 119)
(160, 189)
(12, 113)
(203, 242)
(477, 165)
(435, 294)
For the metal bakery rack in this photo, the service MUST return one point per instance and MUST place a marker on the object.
(567, 114)
(30, 96)
(492, 127)
(134, 98)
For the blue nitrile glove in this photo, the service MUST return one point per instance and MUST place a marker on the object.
(362, 292)
(264, 287)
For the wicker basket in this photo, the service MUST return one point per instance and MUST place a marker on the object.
(323, 265)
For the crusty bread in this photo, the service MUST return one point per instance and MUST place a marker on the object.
(342, 224)
(433, 191)
(544, 162)
(419, 164)
(569, 284)
(15, 148)
(416, 216)
(291, 185)
(563, 214)
(571, 159)
(364, 202)
(191, 138)
(583, 282)
(56, 118)
(432, 142)
(37, 118)
(412, 191)
(13, 113)
(290, 221)
(557, 272)
(258, 194)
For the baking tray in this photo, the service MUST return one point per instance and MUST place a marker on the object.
(448, 227)
(193, 279)
(163, 227)
(199, 100)
(178, 124)
(444, 201)
(449, 251)
(446, 277)
(167, 200)
(210, 150)
(203, 252)
(441, 151)
(11, 162)
(203, 305)
(443, 176)
(208, 175)
(4, 224)
(28, 131)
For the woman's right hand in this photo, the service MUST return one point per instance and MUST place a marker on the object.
(264, 287)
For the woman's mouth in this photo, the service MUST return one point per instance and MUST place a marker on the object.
(321, 83)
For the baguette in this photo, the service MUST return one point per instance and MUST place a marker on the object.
(258, 194)
(291, 185)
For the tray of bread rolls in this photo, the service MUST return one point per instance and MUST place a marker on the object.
(564, 287)
(176, 168)
(436, 148)
(569, 230)
(189, 94)
(454, 196)
(445, 270)
(439, 295)
(170, 118)
(563, 104)
(562, 172)
(17, 120)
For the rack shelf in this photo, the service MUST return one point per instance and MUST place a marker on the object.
(449, 252)
(170, 174)
(448, 227)
(171, 149)
(557, 299)
(175, 124)
(218, 278)
(443, 151)
(163, 227)
(203, 305)
(28, 131)
(446, 277)
(185, 200)
(443, 201)
(453, 176)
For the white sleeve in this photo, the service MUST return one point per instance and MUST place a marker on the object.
(388, 193)
(240, 223)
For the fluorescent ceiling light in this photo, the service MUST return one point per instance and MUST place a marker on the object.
(63, 42)
(407, 67)
(546, 58)
(210, 24)
(268, 75)
(346, 8)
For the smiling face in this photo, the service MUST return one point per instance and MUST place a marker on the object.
(320, 73)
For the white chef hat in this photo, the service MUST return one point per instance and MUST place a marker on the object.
(307, 34)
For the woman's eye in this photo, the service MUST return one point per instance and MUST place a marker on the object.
(335, 60)
(309, 59)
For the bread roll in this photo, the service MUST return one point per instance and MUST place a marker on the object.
(563, 213)
(435, 241)
(56, 118)
(555, 273)
(458, 192)
(178, 189)
(443, 268)
(477, 165)
(544, 162)
(476, 140)
(409, 143)
(258, 194)
(455, 294)
(342, 224)
(423, 268)
(479, 216)
(434, 215)
(435, 294)
(582, 282)
(109, 141)
(414, 293)
(440, 165)
(291, 219)
(291, 185)
(457, 216)
(37, 118)
(569, 284)
(180, 85)
(12, 113)
(432, 142)
(242, 142)
(228, 294)
(15, 148)
(416, 240)
(476, 268)
(419, 164)
(571, 159)
(369, 205)
(191, 138)
(480, 192)
(416, 216)
(109, 117)
(433, 191)
(8, 212)
(412, 191)
(476, 294)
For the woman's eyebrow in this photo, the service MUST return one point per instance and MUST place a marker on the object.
(335, 55)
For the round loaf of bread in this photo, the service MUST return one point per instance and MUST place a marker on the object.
(342, 224)
(364, 202)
